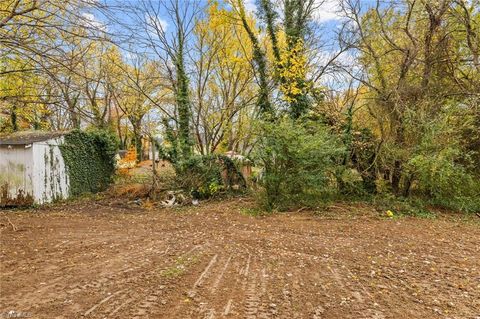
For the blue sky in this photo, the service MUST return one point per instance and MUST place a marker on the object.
(327, 16)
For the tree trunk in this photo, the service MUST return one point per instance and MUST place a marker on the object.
(183, 103)
(137, 139)
(396, 176)
(13, 118)
(398, 163)
(263, 100)
(154, 164)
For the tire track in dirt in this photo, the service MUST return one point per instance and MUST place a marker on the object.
(272, 267)
(210, 286)
(200, 279)
(135, 263)
(203, 309)
(220, 275)
(52, 290)
(354, 295)
(139, 268)
(252, 299)
(100, 303)
(149, 298)
(233, 283)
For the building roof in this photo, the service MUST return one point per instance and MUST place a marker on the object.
(28, 137)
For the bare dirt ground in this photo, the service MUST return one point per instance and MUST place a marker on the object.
(114, 260)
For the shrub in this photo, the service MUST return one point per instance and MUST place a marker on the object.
(401, 206)
(362, 158)
(89, 159)
(351, 182)
(298, 160)
(446, 182)
(206, 176)
(443, 170)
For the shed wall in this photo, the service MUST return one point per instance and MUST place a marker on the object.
(33, 173)
(50, 177)
(16, 175)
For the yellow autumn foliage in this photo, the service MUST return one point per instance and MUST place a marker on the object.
(292, 70)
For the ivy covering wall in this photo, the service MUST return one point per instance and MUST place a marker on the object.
(90, 160)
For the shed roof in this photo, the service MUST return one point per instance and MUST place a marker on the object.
(28, 137)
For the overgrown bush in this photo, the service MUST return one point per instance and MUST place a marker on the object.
(401, 206)
(445, 182)
(351, 183)
(206, 176)
(89, 159)
(443, 170)
(298, 160)
(362, 158)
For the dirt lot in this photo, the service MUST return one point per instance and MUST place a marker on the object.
(113, 260)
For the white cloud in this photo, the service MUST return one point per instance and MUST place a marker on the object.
(250, 5)
(88, 16)
(91, 22)
(328, 10)
(155, 23)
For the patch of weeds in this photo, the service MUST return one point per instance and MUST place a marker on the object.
(181, 264)
(182, 209)
(132, 178)
(85, 197)
(254, 212)
(420, 213)
(172, 272)
(141, 178)
(395, 207)
(472, 219)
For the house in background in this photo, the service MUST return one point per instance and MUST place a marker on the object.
(32, 169)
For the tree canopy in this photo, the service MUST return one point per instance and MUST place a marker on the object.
(393, 88)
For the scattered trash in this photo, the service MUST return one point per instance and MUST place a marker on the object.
(174, 198)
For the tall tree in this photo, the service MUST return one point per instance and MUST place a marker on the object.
(406, 51)
(167, 28)
(223, 82)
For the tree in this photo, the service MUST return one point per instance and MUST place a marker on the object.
(170, 47)
(45, 39)
(223, 83)
(259, 60)
(290, 56)
(139, 89)
(407, 53)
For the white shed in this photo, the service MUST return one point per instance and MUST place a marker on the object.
(32, 169)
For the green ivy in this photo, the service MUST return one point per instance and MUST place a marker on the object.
(89, 159)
